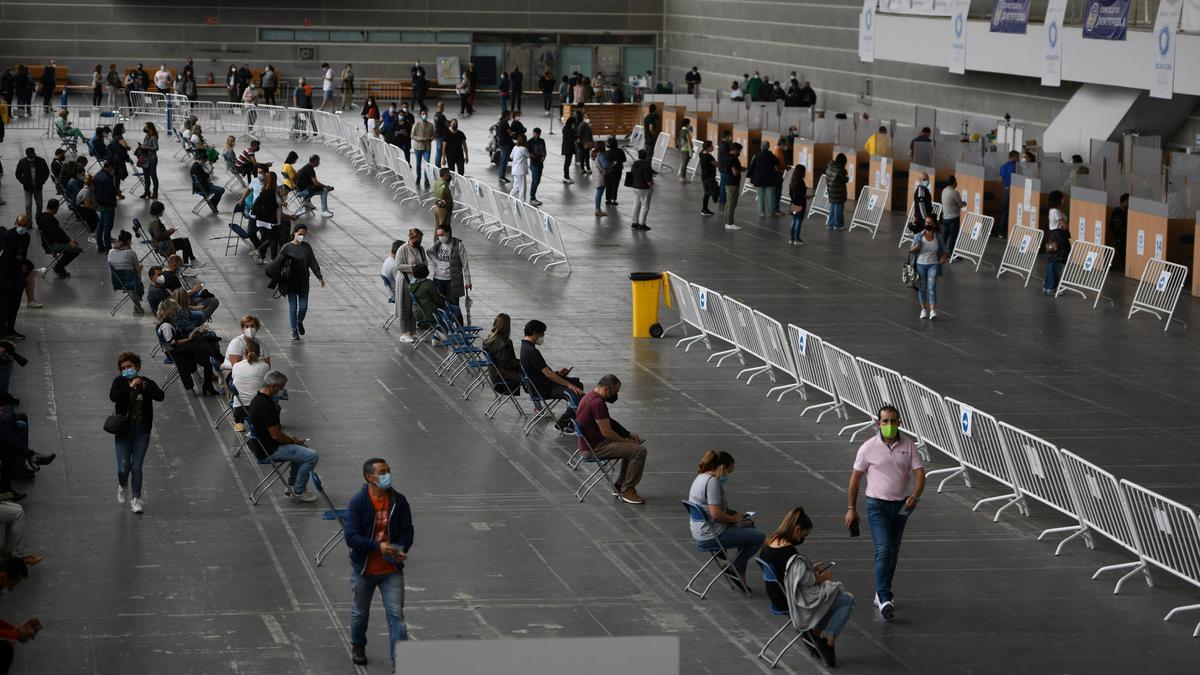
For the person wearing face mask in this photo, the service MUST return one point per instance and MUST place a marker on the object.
(952, 206)
(609, 440)
(236, 349)
(247, 376)
(295, 283)
(922, 203)
(451, 273)
(422, 141)
(409, 254)
(1058, 243)
(403, 135)
(886, 460)
(520, 168)
(929, 250)
(278, 446)
(456, 154)
(813, 598)
(133, 396)
(308, 185)
(14, 267)
(733, 529)
(387, 123)
(379, 533)
(550, 384)
(584, 140)
(441, 127)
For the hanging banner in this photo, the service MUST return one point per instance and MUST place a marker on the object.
(1162, 85)
(1105, 19)
(1010, 16)
(958, 36)
(866, 32)
(1052, 43)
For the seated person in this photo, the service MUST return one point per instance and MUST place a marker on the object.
(173, 278)
(202, 183)
(163, 238)
(126, 269)
(247, 163)
(426, 299)
(505, 366)
(12, 518)
(17, 459)
(156, 292)
(549, 384)
(308, 185)
(98, 143)
(247, 377)
(56, 168)
(388, 271)
(277, 445)
(229, 154)
(733, 529)
(235, 351)
(820, 603)
(67, 132)
(609, 439)
(56, 239)
(191, 316)
(289, 169)
(12, 571)
(188, 349)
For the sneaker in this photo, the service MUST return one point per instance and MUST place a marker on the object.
(408, 339)
(567, 181)
(295, 335)
(600, 214)
(733, 227)
(300, 327)
(932, 314)
(706, 212)
(800, 241)
(887, 609)
(197, 265)
(120, 494)
(40, 270)
(631, 496)
(239, 427)
(924, 313)
(534, 202)
(33, 304)
(91, 239)
(304, 497)
(327, 214)
(358, 654)
(135, 505)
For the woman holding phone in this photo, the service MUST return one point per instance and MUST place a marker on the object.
(732, 528)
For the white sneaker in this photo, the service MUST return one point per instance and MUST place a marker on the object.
(305, 497)
(135, 505)
(34, 305)
(120, 494)
(198, 265)
(40, 270)
(932, 314)
(327, 214)
(407, 339)
(924, 313)
(733, 227)
(91, 238)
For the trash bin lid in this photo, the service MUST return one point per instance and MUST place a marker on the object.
(645, 276)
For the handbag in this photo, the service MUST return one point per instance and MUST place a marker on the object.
(116, 424)
(909, 276)
(628, 179)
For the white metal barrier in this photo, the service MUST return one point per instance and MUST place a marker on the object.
(1020, 252)
(689, 314)
(882, 386)
(1038, 469)
(715, 319)
(694, 162)
(820, 200)
(843, 372)
(930, 417)
(776, 351)
(1086, 270)
(748, 340)
(657, 162)
(637, 141)
(906, 235)
(869, 210)
(1105, 510)
(982, 449)
(1169, 533)
(785, 194)
(972, 239)
(809, 352)
(1158, 290)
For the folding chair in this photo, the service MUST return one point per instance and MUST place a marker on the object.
(768, 574)
(229, 405)
(543, 406)
(119, 284)
(237, 234)
(334, 513)
(390, 285)
(199, 191)
(54, 257)
(502, 390)
(174, 375)
(716, 553)
(151, 248)
(604, 468)
(259, 453)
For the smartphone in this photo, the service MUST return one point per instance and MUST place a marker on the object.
(854, 532)
(824, 566)
(749, 514)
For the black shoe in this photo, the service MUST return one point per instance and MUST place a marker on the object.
(16, 496)
(828, 655)
(358, 654)
(567, 427)
(300, 327)
(644, 227)
(62, 274)
(23, 473)
(706, 212)
(810, 640)
(43, 460)
(295, 335)
(9, 399)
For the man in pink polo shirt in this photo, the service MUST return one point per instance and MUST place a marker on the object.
(886, 460)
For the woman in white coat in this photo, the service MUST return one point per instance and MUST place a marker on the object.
(520, 169)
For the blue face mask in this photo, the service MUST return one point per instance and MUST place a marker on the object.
(724, 479)
(385, 481)
(21, 230)
(129, 373)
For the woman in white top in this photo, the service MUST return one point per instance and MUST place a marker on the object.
(248, 374)
(236, 349)
(520, 168)
(731, 528)
(1058, 243)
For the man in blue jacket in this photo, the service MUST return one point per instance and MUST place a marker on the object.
(379, 532)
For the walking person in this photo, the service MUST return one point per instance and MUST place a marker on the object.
(731, 176)
(600, 159)
(298, 255)
(1058, 243)
(708, 177)
(505, 142)
(766, 176)
(456, 149)
(798, 195)
(32, 174)
(1007, 170)
(409, 254)
(930, 250)
(887, 460)
(733, 529)
(462, 89)
(443, 202)
(451, 273)
(568, 147)
(504, 87)
(836, 179)
(270, 84)
(537, 161)
(684, 144)
(347, 87)
(133, 396)
(379, 533)
(922, 200)
(422, 142)
(441, 127)
(148, 158)
(584, 142)
(641, 180)
(724, 144)
(952, 205)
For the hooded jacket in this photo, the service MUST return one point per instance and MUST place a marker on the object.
(360, 527)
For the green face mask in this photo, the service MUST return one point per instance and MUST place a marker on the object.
(889, 431)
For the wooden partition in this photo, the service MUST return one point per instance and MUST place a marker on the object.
(853, 174)
(881, 177)
(714, 130)
(1024, 201)
(814, 156)
(609, 119)
(970, 184)
(1152, 235)
(672, 120)
(701, 119)
(60, 76)
(1088, 215)
(749, 138)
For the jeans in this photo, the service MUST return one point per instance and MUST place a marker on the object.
(599, 195)
(504, 152)
(721, 189)
(104, 228)
(641, 205)
(887, 529)
(535, 177)
(838, 615)
(303, 461)
(391, 591)
(950, 230)
(131, 452)
(438, 144)
(32, 197)
(1002, 222)
(443, 287)
(297, 309)
(503, 103)
(1053, 270)
(150, 176)
(213, 195)
(835, 220)
(747, 541)
(323, 194)
(767, 198)
(797, 221)
(730, 202)
(421, 155)
(928, 274)
(547, 99)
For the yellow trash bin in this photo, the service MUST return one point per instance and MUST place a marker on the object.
(647, 288)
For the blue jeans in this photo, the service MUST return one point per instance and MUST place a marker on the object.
(324, 194)
(104, 228)
(950, 230)
(747, 541)
(835, 219)
(504, 152)
(1053, 270)
(303, 461)
(150, 175)
(535, 177)
(599, 195)
(928, 275)
(391, 591)
(767, 198)
(887, 529)
(421, 155)
(297, 308)
(443, 287)
(838, 615)
(797, 221)
(131, 452)
(438, 145)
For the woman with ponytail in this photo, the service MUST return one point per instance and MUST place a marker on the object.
(733, 529)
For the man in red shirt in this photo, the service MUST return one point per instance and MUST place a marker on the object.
(609, 439)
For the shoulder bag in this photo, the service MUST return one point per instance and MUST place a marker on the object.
(116, 424)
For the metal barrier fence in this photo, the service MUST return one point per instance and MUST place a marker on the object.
(1020, 252)
(868, 212)
(689, 315)
(1086, 270)
(843, 372)
(882, 386)
(1158, 291)
(715, 320)
(775, 350)
(1170, 536)
(930, 416)
(972, 239)
(809, 351)
(820, 200)
(742, 321)
(982, 449)
(694, 162)
(1039, 473)
(1104, 510)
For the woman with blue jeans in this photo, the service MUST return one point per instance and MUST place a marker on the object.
(133, 395)
(733, 529)
(930, 251)
(798, 196)
(295, 285)
(1058, 243)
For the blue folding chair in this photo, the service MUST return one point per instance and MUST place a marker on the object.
(603, 472)
(543, 406)
(768, 573)
(229, 405)
(259, 453)
(125, 283)
(502, 389)
(716, 553)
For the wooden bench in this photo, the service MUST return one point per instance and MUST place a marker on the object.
(609, 119)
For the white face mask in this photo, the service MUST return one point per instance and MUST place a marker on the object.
(249, 332)
(541, 339)
(444, 239)
(299, 239)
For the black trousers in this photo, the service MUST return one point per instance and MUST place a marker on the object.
(612, 180)
(10, 304)
(558, 391)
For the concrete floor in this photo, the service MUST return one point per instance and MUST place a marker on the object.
(205, 582)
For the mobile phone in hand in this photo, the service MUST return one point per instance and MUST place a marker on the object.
(854, 531)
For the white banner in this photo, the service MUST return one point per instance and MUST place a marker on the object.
(1162, 83)
(958, 36)
(924, 7)
(866, 32)
(1052, 41)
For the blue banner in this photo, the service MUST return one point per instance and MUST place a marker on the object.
(1106, 19)
(1010, 16)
